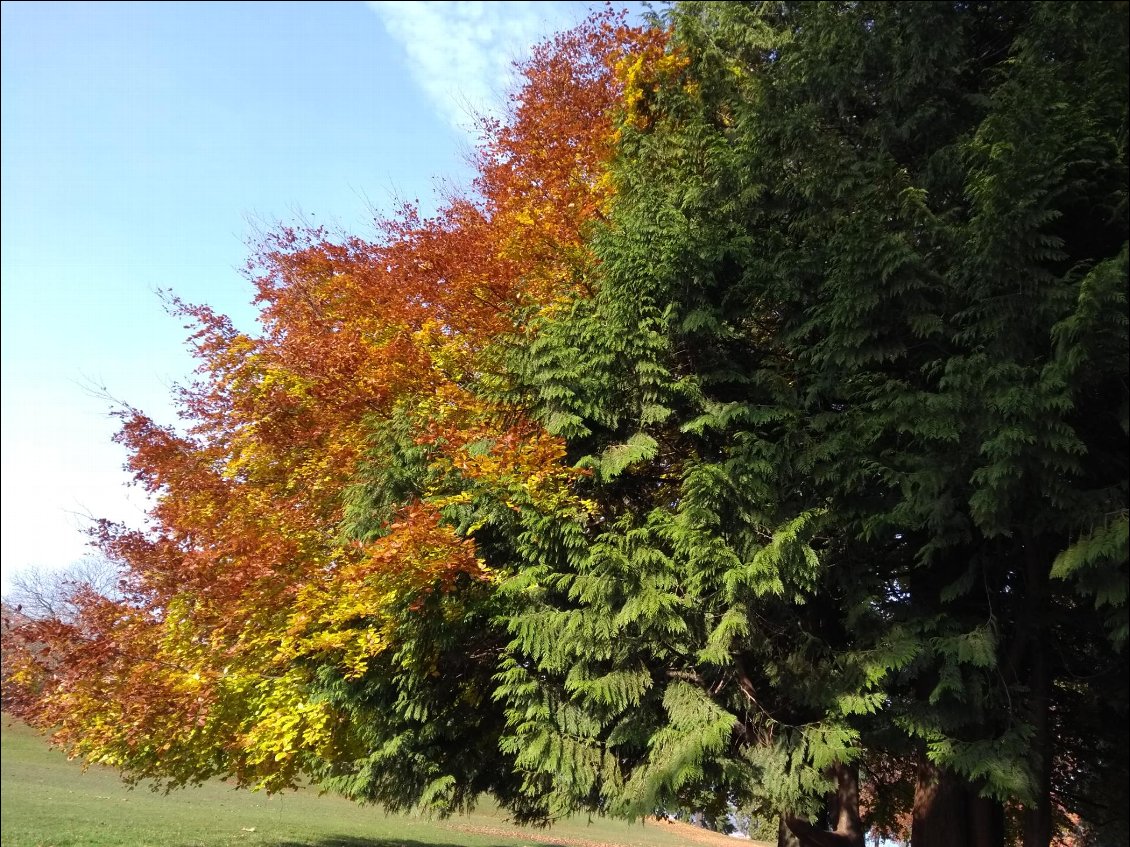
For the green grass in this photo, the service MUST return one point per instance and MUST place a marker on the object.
(49, 801)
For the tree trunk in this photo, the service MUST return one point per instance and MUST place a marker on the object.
(948, 812)
(843, 812)
(1037, 818)
(939, 818)
(785, 836)
(986, 822)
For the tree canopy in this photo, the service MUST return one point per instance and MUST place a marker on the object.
(753, 436)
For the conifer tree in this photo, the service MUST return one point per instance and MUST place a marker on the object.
(852, 396)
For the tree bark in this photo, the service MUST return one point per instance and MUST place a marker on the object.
(986, 822)
(939, 818)
(948, 811)
(1037, 818)
(843, 812)
(785, 836)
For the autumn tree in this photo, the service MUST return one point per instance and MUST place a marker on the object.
(315, 590)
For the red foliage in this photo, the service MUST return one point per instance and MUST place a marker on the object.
(243, 565)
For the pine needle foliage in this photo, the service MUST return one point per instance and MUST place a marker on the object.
(851, 394)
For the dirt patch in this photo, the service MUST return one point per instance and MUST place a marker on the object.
(698, 835)
(537, 837)
(684, 831)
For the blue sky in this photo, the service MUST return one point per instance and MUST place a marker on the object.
(142, 146)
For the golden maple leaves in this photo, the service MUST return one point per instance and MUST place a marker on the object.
(243, 577)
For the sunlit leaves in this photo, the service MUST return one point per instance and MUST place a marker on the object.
(336, 471)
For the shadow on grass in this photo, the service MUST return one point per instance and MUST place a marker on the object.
(353, 841)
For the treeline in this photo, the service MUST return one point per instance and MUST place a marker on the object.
(750, 439)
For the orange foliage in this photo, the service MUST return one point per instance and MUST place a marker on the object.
(243, 568)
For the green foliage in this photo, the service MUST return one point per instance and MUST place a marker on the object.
(852, 390)
(1093, 563)
(395, 471)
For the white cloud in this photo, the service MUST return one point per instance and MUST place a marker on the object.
(461, 53)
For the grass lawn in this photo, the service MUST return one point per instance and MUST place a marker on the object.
(49, 802)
